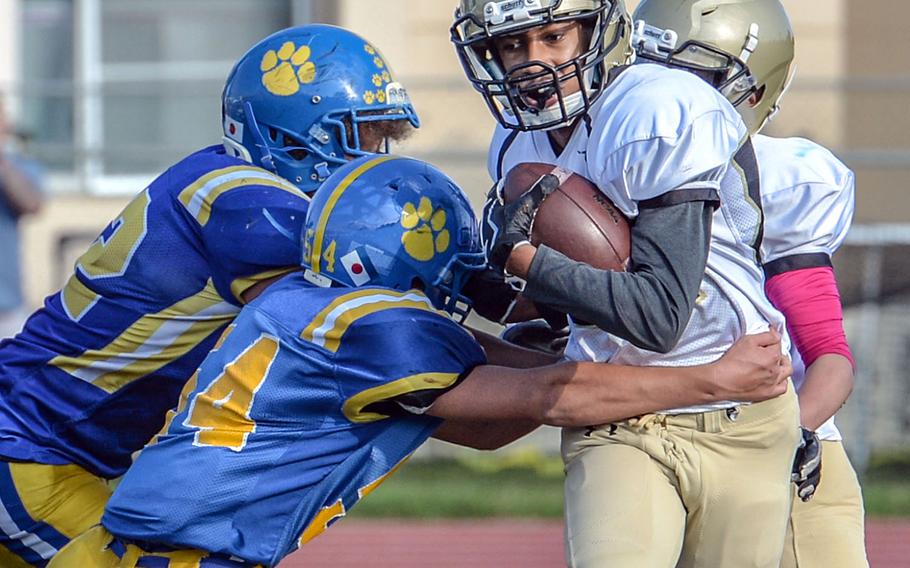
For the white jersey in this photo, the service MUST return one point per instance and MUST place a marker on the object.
(655, 132)
(808, 199)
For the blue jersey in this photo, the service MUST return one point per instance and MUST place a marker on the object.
(91, 376)
(311, 399)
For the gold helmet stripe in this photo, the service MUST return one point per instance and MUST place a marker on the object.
(316, 252)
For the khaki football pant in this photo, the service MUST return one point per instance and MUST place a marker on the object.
(827, 531)
(709, 490)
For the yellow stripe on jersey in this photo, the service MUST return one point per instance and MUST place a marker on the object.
(330, 324)
(77, 298)
(321, 522)
(199, 196)
(151, 342)
(241, 285)
(337, 509)
(318, 237)
(110, 255)
(224, 335)
(364, 491)
(353, 407)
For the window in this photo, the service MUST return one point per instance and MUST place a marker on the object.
(115, 90)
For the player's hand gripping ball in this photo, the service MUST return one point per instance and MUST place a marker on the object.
(517, 216)
(548, 205)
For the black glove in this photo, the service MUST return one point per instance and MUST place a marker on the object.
(490, 293)
(491, 219)
(518, 217)
(807, 466)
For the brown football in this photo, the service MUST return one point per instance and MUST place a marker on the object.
(577, 219)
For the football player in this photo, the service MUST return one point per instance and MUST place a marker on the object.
(672, 488)
(331, 378)
(808, 198)
(89, 380)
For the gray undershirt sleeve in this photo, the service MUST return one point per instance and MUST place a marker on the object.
(649, 304)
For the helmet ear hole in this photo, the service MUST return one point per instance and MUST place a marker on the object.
(756, 97)
(298, 153)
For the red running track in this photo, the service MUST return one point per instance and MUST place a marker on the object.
(501, 544)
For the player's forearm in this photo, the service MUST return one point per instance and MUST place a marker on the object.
(751, 370)
(486, 435)
(20, 192)
(573, 394)
(828, 384)
(649, 305)
(581, 394)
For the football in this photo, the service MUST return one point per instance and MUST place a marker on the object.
(577, 219)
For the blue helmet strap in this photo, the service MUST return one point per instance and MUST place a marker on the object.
(457, 271)
(265, 155)
(322, 170)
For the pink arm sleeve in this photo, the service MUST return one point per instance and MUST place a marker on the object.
(810, 301)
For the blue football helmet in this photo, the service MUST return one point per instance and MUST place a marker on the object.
(285, 101)
(394, 222)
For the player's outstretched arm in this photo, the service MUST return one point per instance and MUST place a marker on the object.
(582, 393)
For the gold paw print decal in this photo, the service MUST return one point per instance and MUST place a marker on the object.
(426, 234)
(285, 70)
(381, 78)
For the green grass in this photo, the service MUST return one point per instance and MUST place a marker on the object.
(886, 485)
(468, 489)
(529, 485)
(886, 498)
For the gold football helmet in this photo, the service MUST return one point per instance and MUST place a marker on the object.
(742, 47)
(479, 22)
